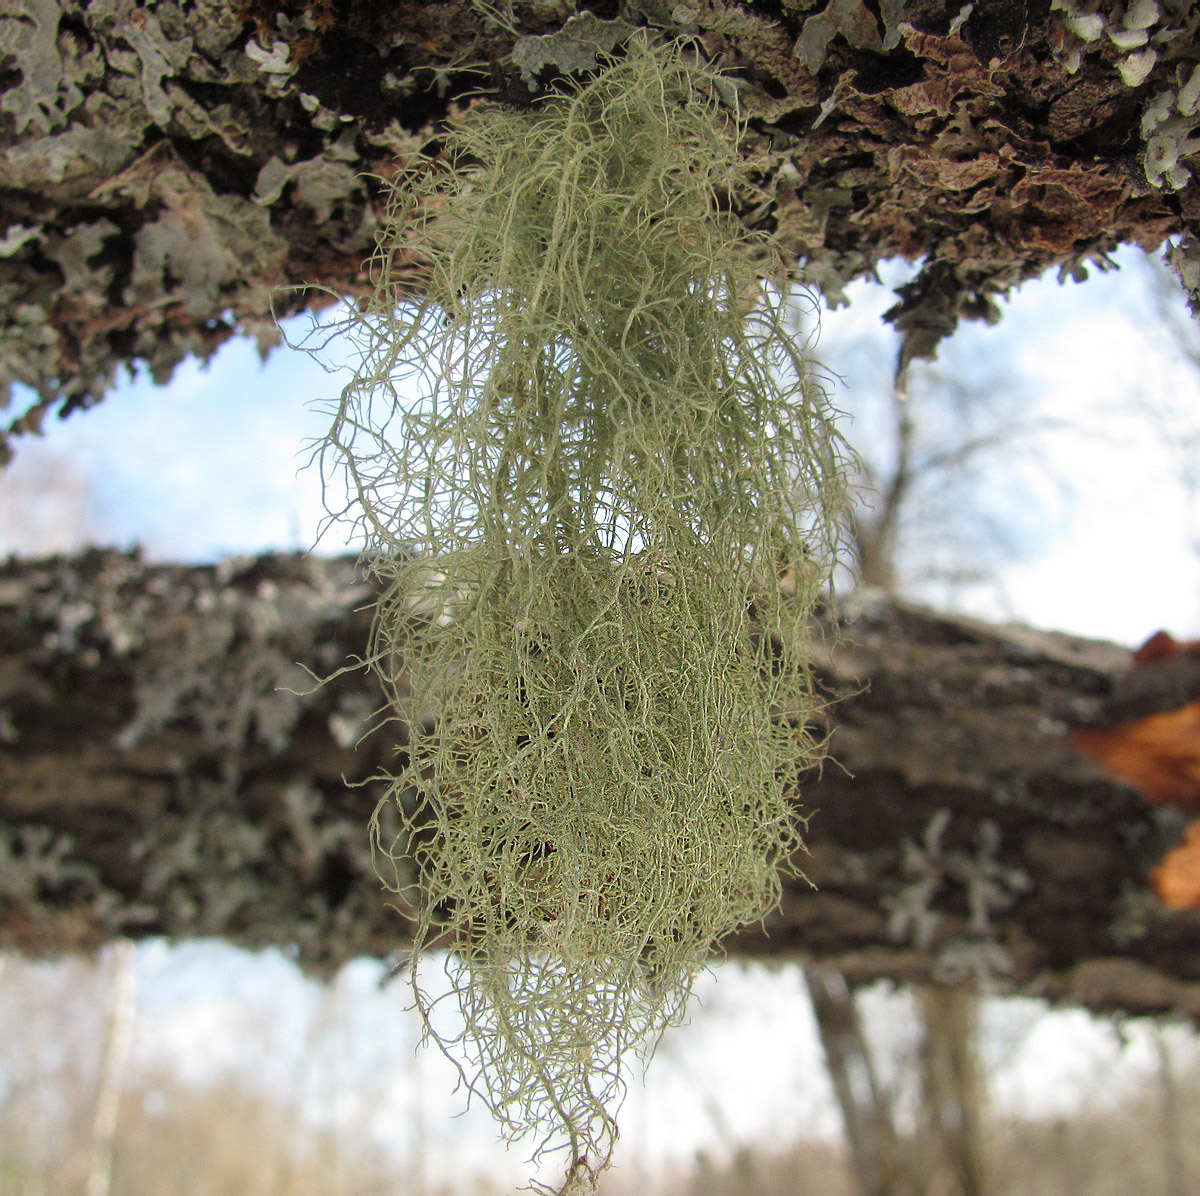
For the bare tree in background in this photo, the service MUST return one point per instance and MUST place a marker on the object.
(116, 1058)
(947, 453)
(871, 1138)
(1173, 416)
(953, 1093)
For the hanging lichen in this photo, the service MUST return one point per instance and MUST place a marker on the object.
(584, 460)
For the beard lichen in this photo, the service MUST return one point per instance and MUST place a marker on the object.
(583, 459)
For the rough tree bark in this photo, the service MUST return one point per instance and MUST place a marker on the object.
(167, 767)
(164, 167)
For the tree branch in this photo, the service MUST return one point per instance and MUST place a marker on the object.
(168, 768)
(168, 167)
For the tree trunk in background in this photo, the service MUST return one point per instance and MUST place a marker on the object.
(167, 768)
(953, 1094)
(116, 1056)
(871, 1141)
(1174, 1166)
(945, 1159)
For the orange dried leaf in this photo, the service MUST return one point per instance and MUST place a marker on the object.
(1177, 879)
(1158, 755)
(1162, 645)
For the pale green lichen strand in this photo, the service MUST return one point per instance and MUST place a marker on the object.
(583, 461)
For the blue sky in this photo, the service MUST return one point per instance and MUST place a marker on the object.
(213, 463)
(210, 465)
(1095, 497)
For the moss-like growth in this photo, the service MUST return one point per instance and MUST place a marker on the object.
(584, 460)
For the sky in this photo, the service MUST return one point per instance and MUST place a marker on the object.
(1105, 534)
(214, 463)
(1093, 492)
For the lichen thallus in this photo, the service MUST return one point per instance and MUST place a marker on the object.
(581, 459)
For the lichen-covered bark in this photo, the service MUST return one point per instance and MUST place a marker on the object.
(163, 168)
(167, 767)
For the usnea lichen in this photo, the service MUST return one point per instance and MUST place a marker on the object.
(600, 489)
